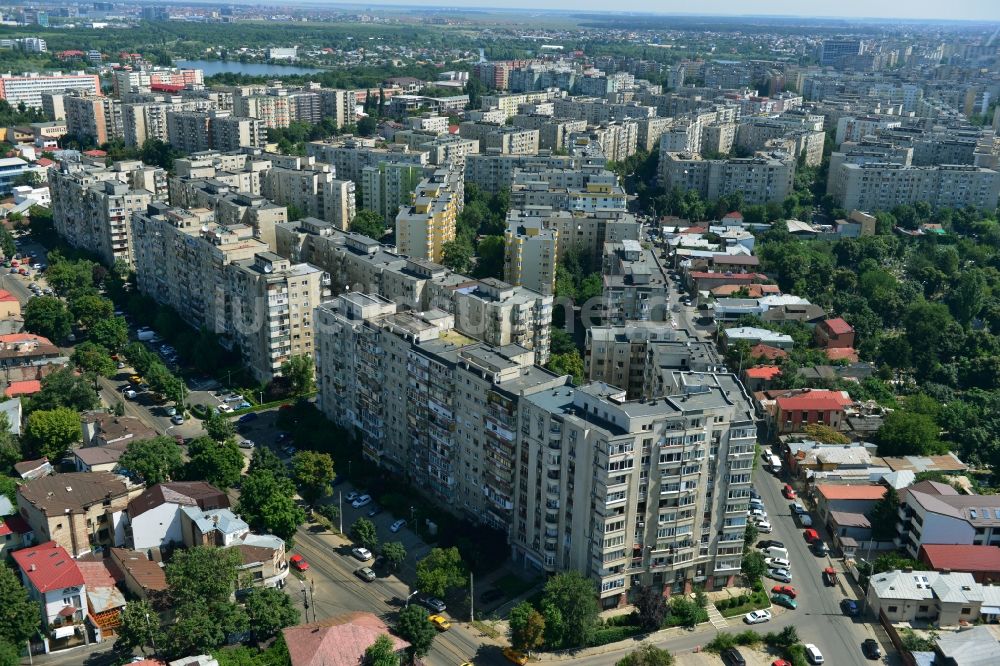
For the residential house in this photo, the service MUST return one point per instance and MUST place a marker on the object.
(33, 469)
(975, 646)
(764, 352)
(848, 529)
(264, 563)
(847, 499)
(21, 349)
(811, 406)
(153, 519)
(17, 389)
(945, 598)
(982, 561)
(105, 601)
(805, 458)
(103, 429)
(14, 533)
(761, 377)
(932, 512)
(337, 641)
(834, 333)
(753, 336)
(53, 579)
(80, 511)
(98, 458)
(141, 577)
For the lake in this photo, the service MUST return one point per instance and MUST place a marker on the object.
(211, 67)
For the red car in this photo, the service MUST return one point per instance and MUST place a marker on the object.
(781, 662)
(811, 535)
(787, 590)
(788, 492)
(298, 563)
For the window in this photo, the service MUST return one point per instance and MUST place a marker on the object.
(966, 611)
(893, 609)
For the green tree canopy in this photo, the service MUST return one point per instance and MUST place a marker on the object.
(140, 628)
(363, 531)
(368, 223)
(203, 573)
(153, 460)
(91, 357)
(394, 553)
(883, 516)
(269, 610)
(110, 333)
(754, 566)
(414, 627)
(65, 388)
(89, 308)
(267, 503)
(651, 607)
(219, 426)
(313, 474)
(49, 317)
(21, 616)
(440, 571)
(906, 433)
(263, 458)
(574, 597)
(10, 447)
(51, 433)
(647, 655)
(299, 371)
(527, 627)
(568, 363)
(219, 463)
(382, 652)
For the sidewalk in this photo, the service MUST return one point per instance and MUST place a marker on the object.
(673, 633)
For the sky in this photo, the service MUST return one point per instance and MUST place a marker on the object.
(909, 9)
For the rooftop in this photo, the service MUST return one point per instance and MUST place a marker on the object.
(187, 493)
(837, 326)
(962, 557)
(73, 491)
(336, 641)
(48, 566)
(848, 492)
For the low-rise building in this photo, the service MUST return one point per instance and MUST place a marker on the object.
(935, 513)
(946, 598)
(812, 406)
(981, 561)
(153, 519)
(53, 579)
(340, 640)
(857, 499)
(834, 333)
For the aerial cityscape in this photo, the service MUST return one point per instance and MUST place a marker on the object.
(407, 333)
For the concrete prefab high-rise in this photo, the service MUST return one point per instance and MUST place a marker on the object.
(530, 255)
(313, 191)
(423, 227)
(388, 186)
(93, 116)
(761, 179)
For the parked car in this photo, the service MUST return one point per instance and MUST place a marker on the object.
(732, 657)
(298, 563)
(365, 574)
(434, 604)
(783, 600)
(781, 662)
(514, 656)
(871, 649)
(829, 577)
(757, 616)
(777, 563)
(813, 654)
(810, 535)
(764, 544)
(784, 575)
(805, 520)
(398, 525)
(129, 394)
(849, 607)
(363, 500)
(786, 590)
(362, 554)
(820, 549)
(225, 409)
(764, 527)
(246, 444)
(788, 492)
(247, 418)
(243, 405)
(757, 513)
(351, 496)
(440, 622)
(177, 419)
(375, 510)
(797, 508)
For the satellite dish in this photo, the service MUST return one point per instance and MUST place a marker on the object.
(268, 268)
(204, 228)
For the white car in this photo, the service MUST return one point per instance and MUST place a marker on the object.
(813, 654)
(177, 419)
(246, 444)
(351, 496)
(777, 563)
(224, 409)
(362, 554)
(764, 527)
(361, 501)
(784, 575)
(757, 616)
(129, 394)
(398, 525)
(757, 513)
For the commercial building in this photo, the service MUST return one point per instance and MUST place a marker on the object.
(423, 228)
(28, 88)
(762, 179)
(935, 513)
(92, 206)
(876, 186)
(94, 116)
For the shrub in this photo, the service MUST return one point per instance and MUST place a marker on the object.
(797, 655)
(606, 635)
(720, 642)
(742, 599)
(722, 605)
(748, 637)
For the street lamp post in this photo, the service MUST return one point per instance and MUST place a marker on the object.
(412, 594)
(305, 600)
(340, 509)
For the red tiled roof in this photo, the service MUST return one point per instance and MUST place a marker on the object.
(44, 161)
(336, 641)
(735, 215)
(814, 400)
(696, 230)
(763, 372)
(838, 326)
(841, 354)
(48, 567)
(741, 277)
(7, 296)
(767, 351)
(26, 387)
(961, 557)
(24, 337)
(95, 153)
(842, 492)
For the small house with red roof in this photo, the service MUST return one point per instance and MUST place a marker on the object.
(834, 333)
(762, 351)
(10, 307)
(733, 218)
(337, 641)
(848, 354)
(761, 377)
(26, 387)
(811, 406)
(53, 579)
(980, 560)
(14, 533)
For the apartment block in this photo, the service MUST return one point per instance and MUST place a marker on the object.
(553, 133)
(423, 228)
(227, 133)
(508, 104)
(200, 131)
(582, 232)
(441, 149)
(493, 171)
(875, 186)
(144, 121)
(635, 284)
(503, 138)
(188, 131)
(349, 155)
(29, 88)
(388, 186)
(313, 191)
(588, 190)
(649, 131)
(935, 513)
(273, 111)
(272, 310)
(761, 179)
(94, 116)
(530, 256)
(92, 206)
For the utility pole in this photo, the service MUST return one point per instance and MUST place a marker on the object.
(472, 598)
(312, 596)
(340, 509)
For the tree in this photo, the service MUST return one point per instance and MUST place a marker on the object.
(110, 333)
(267, 503)
(218, 426)
(647, 655)
(140, 628)
(91, 308)
(382, 652)
(67, 276)
(263, 458)
(363, 531)
(414, 627)
(50, 433)
(883, 516)
(394, 553)
(491, 251)
(569, 363)
(825, 434)
(65, 388)
(457, 255)
(313, 474)
(968, 295)
(219, 463)
(754, 565)
(299, 370)
(269, 610)
(650, 607)
(684, 611)
(441, 570)
(785, 638)
(20, 617)
(48, 316)
(750, 535)
(201, 627)
(203, 573)
(527, 627)
(90, 357)
(368, 223)
(904, 433)
(153, 460)
(10, 447)
(9, 654)
(574, 597)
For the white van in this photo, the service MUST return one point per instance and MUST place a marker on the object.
(775, 463)
(775, 551)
